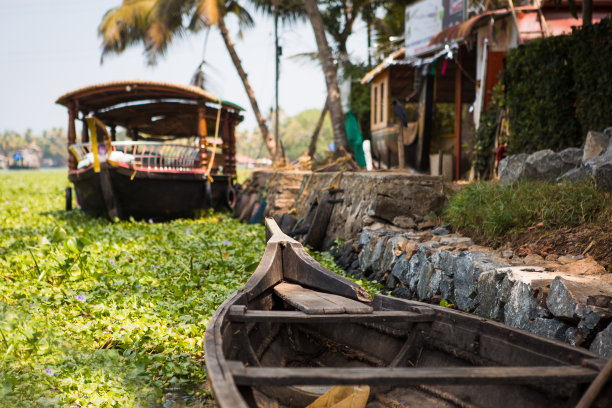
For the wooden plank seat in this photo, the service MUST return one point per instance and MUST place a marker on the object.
(241, 314)
(407, 376)
(314, 302)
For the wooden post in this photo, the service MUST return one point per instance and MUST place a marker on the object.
(458, 86)
(84, 131)
(229, 145)
(72, 112)
(400, 146)
(202, 142)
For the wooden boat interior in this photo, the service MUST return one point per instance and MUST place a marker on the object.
(296, 329)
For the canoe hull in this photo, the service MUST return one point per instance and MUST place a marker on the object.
(261, 351)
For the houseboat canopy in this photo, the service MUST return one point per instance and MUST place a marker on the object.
(154, 108)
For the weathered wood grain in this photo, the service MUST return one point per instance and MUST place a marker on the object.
(409, 376)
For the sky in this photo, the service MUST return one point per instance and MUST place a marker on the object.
(50, 47)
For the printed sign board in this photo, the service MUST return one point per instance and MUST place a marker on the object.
(426, 18)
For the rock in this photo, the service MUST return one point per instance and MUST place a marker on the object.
(602, 344)
(429, 283)
(551, 328)
(571, 157)
(511, 168)
(455, 240)
(401, 269)
(391, 282)
(507, 253)
(403, 221)
(367, 235)
(371, 255)
(518, 293)
(533, 259)
(444, 262)
(441, 231)
(521, 307)
(576, 301)
(402, 292)
(392, 252)
(425, 225)
(490, 304)
(596, 143)
(410, 249)
(543, 165)
(608, 132)
(578, 175)
(419, 266)
(601, 169)
(469, 266)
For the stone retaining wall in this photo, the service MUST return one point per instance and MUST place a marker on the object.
(568, 299)
(398, 199)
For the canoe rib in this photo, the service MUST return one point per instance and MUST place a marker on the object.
(409, 376)
(240, 314)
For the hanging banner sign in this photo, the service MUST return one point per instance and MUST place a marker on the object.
(426, 18)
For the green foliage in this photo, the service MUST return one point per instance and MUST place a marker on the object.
(540, 96)
(108, 314)
(559, 88)
(592, 67)
(492, 210)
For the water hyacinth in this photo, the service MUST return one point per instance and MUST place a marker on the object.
(117, 316)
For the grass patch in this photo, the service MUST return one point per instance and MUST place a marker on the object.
(493, 211)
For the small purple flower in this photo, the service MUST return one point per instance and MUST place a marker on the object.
(48, 371)
(112, 262)
(226, 242)
(150, 220)
(188, 231)
(105, 229)
(153, 266)
(80, 298)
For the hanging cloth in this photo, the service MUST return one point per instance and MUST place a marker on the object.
(355, 140)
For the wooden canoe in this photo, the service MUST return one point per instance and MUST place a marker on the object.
(296, 329)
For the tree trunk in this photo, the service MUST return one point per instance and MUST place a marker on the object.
(268, 138)
(587, 12)
(315, 135)
(331, 79)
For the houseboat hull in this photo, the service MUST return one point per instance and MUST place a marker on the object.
(148, 195)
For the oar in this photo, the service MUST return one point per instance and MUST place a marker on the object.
(595, 388)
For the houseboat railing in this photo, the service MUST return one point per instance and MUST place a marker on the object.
(156, 156)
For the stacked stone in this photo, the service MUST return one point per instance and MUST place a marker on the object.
(573, 164)
(566, 300)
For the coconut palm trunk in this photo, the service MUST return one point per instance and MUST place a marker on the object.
(268, 138)
(331, 76)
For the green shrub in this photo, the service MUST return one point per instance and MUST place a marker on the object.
(559, 88)
(493, 211)
(539, 93)
(591, 56)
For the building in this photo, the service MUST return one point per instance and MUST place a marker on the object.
(444, 74)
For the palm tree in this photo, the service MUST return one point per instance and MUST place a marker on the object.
(156, 23)
(334, 102)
